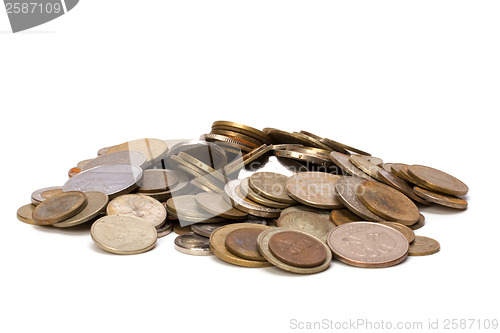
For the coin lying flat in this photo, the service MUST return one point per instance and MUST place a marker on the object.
(297, 249)
(303, 208)
(119, 157)
(166, 228)
(96, 204)
(441, 199)
(368, 244)
(247, 192)
(215, 204)
(401, 185)
(423, 246)
(193, 244)
(141, 206)
(122, 234)
(388, 203)
(243, 243)
(25, 214)
(343, 162)
(157, 180)
(234, 196)
(436, 180)
(316, 189)
(44, 193)
(407, 232)
(342, 216)
(318, 225)
(179, 230)
(347, 188)
(59, 207)
(270, 185)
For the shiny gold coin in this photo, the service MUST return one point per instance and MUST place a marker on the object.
(420, 223)
(247, 192)
(440, 198)
(59, 207)
(423, 246)
(96, 204)
(407, 232)
(436, 180)
(214, 203)
(305, 154)
(25, 214)
(315, 189)
(270, 185)
(347, 188)
(317, 225)
(142, 206)
(342, 216)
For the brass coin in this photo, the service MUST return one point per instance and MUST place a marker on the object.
(368, 244)
(342, 216)
(59, 208)
(420, 223)
(387, 167)
(280, 136)
(388, 203)
(44, 193)
(401, 170)
(226, 143)
(441, 199)
(218, 245)
(232, 194)
(215, 204)
(241, 138)
(407, 232)
(206, 229)
(344, 147)
(240, 128)
(164, 229)
(153, 149)
(157, 180)
(123, 234)
(317, 225)
(315, 189)
(25, 214)
(119, 157)
(247, 192)
(193, 244)
(239, 163)
(311, 140)
(142, 206)
(365, 165)
(96, 204)
(423, 246)
(243, 243)
(270, 185)
(179, 230)
(436, 180)
(303, 208)
(305, 154)
(207, 170)
(347, 188)
(343, 162)
(297, 249)
(401, 185)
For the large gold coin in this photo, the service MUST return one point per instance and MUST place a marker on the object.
(59, 207)
(315, 189)
(96, 204)
(436, 180)
(440, 198)
(270, 185)
(423, 246)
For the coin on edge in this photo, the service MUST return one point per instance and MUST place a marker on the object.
(347, 188)
(96, 204)
(423, 246)
(315, 189)
(420, 223)
(193, 244)
(59, 207)
(440, 198)
(142, 206)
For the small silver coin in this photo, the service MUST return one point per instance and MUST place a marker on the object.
(194, 244)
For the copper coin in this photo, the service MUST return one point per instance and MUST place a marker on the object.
(423, 246)
(407, 232)
(365, 164)
(318, 225)
(74, 171)
(388, 203)
(401, 170)
(59, 207)
(368, 244)
(347, 188)
(420, 223)
(315, 189)
(25, 213)
(343, 162)
(342, 216)
(401, 185)
(440, 198)
(243, 243)
(179, 230)
(437, 180)
(270, 185)
(297, 249)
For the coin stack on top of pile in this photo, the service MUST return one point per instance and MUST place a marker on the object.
(217, 193)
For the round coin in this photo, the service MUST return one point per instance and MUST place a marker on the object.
(297, 249)
(179, 230)
(153, 149)
(193, 244)
(407, 232)
(401, 170)
(423, 246)
(436, 180)
(270, 185)
(247, 192)
(96, 204)
(347, 188)
(342, 216)
(420, 223)
(318, 225)
(186, 208)
(157, 180)
(240, 128)
(164, 229)
(59, 207)
(25, 214)
(399, 184)
(343, 162)
(142, 206)
(215, 204)
(243, 243)
(119, 157)
(303, 208)
(366, 165)
(234, 196)
(44, 193)
(440, 198)
(315, 189)
(280, 136)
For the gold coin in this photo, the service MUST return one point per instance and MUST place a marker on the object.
(239, 163)
(315, 189)
(365, 165)
(343, 162)
(347, 188)
(436, 180)
(247, 192)
(240, 128)
(440, 198)
(311, 140)
(401, 170)
(407, 232)
(141, 206)
(342, 216)
(96, 204)
(305, 154)
(317, 225)
(423, 246)
(215, 204)
(59, 207)
(25, 214)
(241, 138)
(420, 223)
(270, 185)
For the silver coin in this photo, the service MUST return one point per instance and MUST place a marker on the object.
(112, 180)
(194, 244)
(346, 189)
(130, 157)
(234, 196)
(37, 196)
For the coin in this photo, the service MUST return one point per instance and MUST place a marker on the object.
(341, 216)
(401, 185)
(345, 147)
(263, 246)
(142, 206)
(270, 185)
(241, 138)
(247, 192)
(207, 170)
(311, 140)
(365, 165)
(243, 243)
(368, 244)
(387, 167)
(240, 128)
(303, 208)
(315, 189)
(218, 245)
(119, 157)
(246, 159)
(318, 225)
(44, 193)
(420, 223)
(297, 249)
(74, 171)
(215, 204)
(343, 162)
(25, 213)
(179, 230)
(206, 229)
(347, 188)
(157, 180)
(423, 246)
(112, 180)
(407, 232)
(153, 149)
(280, 136)
(96, 204)
(401, 170)
(436, 180)
(388, 203)
(123, 234)
(234, 196)
(164, 229)
(59, 208)
(226, 143)
(193, 244)
(187, 209)
(305, 155)
(441, 199)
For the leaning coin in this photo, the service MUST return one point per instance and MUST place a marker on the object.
(368, 244)
(96, 204)
(399, 184)
(407, 232)
(179, 230)
(303, 208)
(215, 204)
(153, 149)
(420, 223)
(122, 234)
(243, 243)
(401, 170)
(206, 229)
(347, 188)
(365, 165)
(250, 131)
(193, 244)
(247, 192)
(44, 193)
(120, 157)
(437, 180)
(423, 246)
(25, 214)
(343, 162)
(59, 207)
(157, 180)
(342, 216)
(234, 196)
(280, 136)
(316, 189)
(318, 225)
(270, 185)
(141, 206)
(440, 198)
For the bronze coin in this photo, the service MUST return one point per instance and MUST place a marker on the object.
(436, 180)
(243, 243)
(366, 165)
(401, 170)
(388, 203)
(59, 207)
(297, 249)
(440, 198)
(401, 185)
(423, 246)
(407, 232)
(343, 162)
(179, 230)
(50, 193)
(341, 216)
(347, 188)
(420, 223)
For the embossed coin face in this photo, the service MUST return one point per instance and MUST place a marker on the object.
(142, 206)
(214, 203)
(341, 216)
(157, 180)
(347, 188)
(243, 243)
(388, 203)
(437, 180)
(59, 208)
(297, 249)
(122, 234)
(193, 244)
(440, 198)
(44, 193)
(368, 244)
(270, 185)
(318, 225)
(315, 189)
(96, 204)
(423, 246)
(120, 157)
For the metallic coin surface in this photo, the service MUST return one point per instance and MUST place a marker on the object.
(226, 143)
(44, 193)
(193, 244)
(343, 162)
(120, 157)
(387, 167)
(436, 180)
(74, 171)
(240, 128)
(365, 165)
(342, 216)
(347, 188)
(218, 245)
(207, 152)
(420, 223)
(240, 162)
(280, 136)
(303, 208)
(206, 229)
(166, 228)
(96, 204)
(368, 244)
(401, 170)
(318, 225)
(112, 180)
(25, 214)
(388, 203)
(157, 180)
(179, 230)
(243, 243)
(241, 138)
(440, 198)
(247, 192)
(312, 140)
(122, 234)
(297, 249)
(214, 203)
(423, 246)
(263, 246)
(234, 196)
(59, 208)
(315, 189)
(399, 184)
(153, 149)
(407, 232)
(270, 185)
(186, 208)
(307, 155)
(204, 168)
(142, 206)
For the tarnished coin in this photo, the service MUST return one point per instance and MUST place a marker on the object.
(366, 165)
(215, 204)
(164, 229)
(240, 128)
(157, 180)
(234, 196)
(193, 244)
(308, 155)
(388, 203)
(343, 162)
(436, 180)
(119, 157)
(407, 232)
(342, 216)
(401, 170)
(179, 230)
(297, 249)
(141, 206)
(316, 189)
(368, 244)
(44, 193)
(263, 246)
(96, 204)
(387, 167)
(399, 184)
(59, 207)
(247, 192)
(187, 210)
(347, 188)
(423, 246)
(440, 198)
(207, 170)
(153, 149)
(25, 214)
(303, 208)
(246, 159)
(318, 225)
(123, 234)
(243, 243)
(270, 185)
(280, 136)
(420, 223)
(112, 180)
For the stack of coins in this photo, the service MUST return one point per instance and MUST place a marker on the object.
(218, 195)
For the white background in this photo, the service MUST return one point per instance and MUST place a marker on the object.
(411, 82)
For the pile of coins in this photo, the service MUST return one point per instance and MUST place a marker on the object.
(253, 198)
